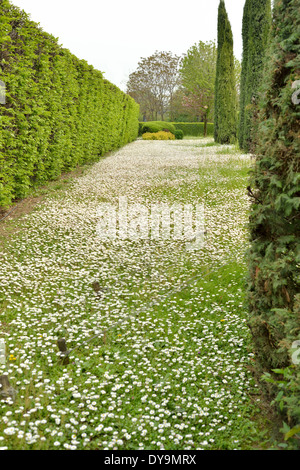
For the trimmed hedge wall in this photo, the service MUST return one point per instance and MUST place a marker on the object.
(194, 128)
(59, 113)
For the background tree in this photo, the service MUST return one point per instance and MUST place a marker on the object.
(256, 29)
(140, 88)
(193, 105)
(198, 76)
(182, 112)
(153, 84)
(274, 255)
(225, 116)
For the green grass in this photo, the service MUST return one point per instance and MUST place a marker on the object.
(161, 359)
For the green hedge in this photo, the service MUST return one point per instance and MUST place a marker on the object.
(194, 128)
(59, 113)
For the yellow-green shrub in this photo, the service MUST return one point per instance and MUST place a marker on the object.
(161, 135)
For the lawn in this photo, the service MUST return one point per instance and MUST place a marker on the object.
(160, 352)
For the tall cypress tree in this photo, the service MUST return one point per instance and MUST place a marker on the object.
(256, 29)
(225, 129)
(245, 35)
(274, 255)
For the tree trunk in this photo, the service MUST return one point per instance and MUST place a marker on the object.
(205, 124)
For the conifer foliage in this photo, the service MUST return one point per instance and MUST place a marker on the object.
(245, 35)
(256, 30)
(274, 257)
(225, 91)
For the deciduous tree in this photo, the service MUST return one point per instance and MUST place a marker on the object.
(198, 75)
(153, 84)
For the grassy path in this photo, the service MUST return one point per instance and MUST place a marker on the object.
(172, 369)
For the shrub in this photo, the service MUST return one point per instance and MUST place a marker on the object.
(59, 113)
(178, 134)
(161, 135)
(156, 126)
(149, 136)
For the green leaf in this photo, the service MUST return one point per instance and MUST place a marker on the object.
(292, 432)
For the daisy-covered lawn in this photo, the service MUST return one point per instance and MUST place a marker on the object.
(160, 351)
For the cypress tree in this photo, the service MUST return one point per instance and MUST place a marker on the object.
(256, 29)
(274, 255)
(225, 129)
(245, 35)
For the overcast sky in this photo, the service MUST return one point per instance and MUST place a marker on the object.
(112, 35)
